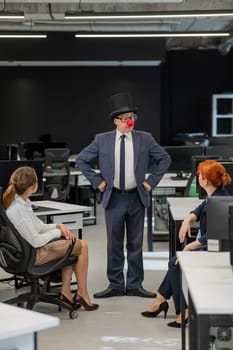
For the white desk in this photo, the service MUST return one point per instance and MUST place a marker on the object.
(200, 268)
(66, 213)
(207, 285)
(19, 326)
(166, 187)
(167, 181)
(179, 208)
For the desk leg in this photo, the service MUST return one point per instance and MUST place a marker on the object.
(171, 230)
(76, 189)
(183, 325)
(174, 226)
(95, 201)
(80, 233)
(198, 329)
(175, 236)
(35, 341)
(149, 226)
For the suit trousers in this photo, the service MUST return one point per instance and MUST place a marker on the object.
(171, 284)
(124, 218)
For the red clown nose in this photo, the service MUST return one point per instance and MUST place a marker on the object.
(130, 123)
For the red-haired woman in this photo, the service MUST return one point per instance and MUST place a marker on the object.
(212, 178)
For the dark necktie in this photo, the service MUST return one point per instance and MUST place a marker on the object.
(122, 163)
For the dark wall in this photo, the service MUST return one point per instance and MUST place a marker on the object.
(71, 103)
(64, 47)
(188, 80)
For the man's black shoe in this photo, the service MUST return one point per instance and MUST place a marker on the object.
(108, 293)
(140, 292)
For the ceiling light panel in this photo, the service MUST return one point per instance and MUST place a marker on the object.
(146, 15)
(11, 15)
(155, 35)
(23, 36)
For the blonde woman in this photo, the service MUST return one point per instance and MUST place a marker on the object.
(23, 183)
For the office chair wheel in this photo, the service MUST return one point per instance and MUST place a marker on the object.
(73, 314)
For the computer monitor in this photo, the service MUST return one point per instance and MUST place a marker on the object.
(8, 166)
(181, 158)
(217, 221)
(56, 158)
(35, 150)
(226, 152)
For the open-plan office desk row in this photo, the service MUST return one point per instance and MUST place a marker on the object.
(207, 286)
(77, 179)
(166, 187)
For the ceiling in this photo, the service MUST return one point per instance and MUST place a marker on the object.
(41, 16)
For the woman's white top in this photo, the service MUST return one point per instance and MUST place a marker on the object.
(31, 228)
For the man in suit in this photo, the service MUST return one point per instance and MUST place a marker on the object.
(125, 190)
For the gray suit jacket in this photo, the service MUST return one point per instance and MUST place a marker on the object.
(149, 158)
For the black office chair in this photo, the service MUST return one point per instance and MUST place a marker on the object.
(17, 257)
(57, 174)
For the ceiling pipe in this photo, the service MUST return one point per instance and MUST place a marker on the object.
(72, 27)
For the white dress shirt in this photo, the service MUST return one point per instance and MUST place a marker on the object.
(31, 228)
(130, 181)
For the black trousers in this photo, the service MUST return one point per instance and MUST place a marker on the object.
(124, 218)
(171, 284)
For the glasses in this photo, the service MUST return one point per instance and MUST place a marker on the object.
(125, 117)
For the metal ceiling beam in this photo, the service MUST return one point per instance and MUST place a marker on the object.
(57, 25)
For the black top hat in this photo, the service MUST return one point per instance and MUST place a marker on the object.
(120, 103)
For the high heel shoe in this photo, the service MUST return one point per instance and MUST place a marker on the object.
(175, 324)
(78, 300)
(162, 307)
(64, 299)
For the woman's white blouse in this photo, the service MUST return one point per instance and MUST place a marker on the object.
(32, 229)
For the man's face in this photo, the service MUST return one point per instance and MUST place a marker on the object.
(125, 122)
